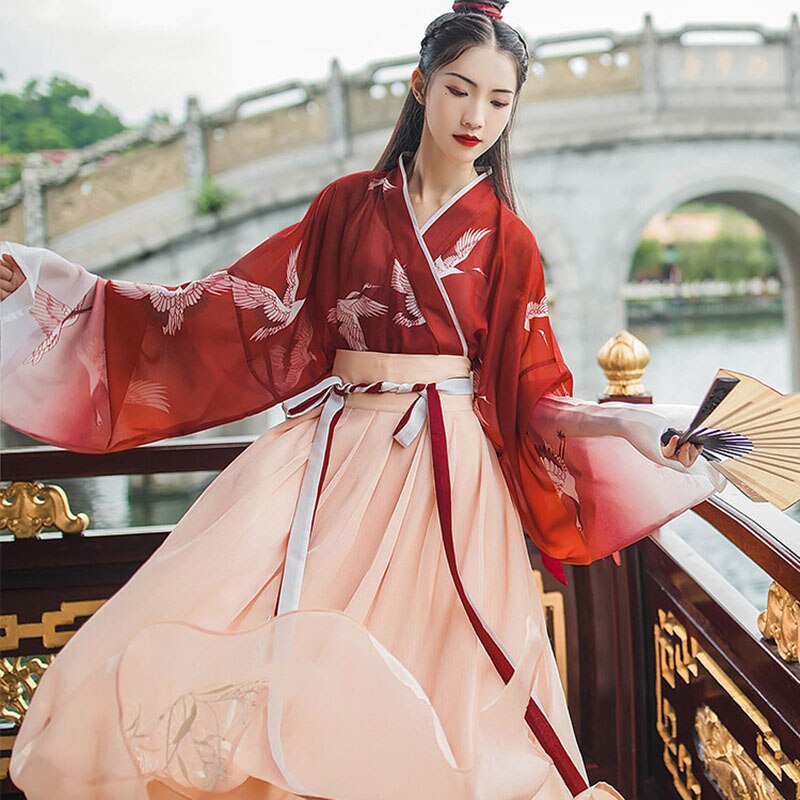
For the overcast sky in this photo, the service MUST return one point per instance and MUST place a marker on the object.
(144, 55)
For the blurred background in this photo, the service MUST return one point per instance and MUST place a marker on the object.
(656, 154)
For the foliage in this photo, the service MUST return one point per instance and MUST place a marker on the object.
(728, 258)
(59, 116)
(724, 257)
(11, 167)
(157, 116)
(212, 198)
(9, 176)
(734, 253)
(647, 260)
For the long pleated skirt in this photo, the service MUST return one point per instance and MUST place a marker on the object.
(187, 684)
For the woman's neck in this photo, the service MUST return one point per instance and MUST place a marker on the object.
(434, 180)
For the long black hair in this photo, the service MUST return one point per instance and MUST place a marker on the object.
(446, 38)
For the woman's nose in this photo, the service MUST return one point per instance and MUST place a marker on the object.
(473, 118)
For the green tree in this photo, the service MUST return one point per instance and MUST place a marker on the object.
(60, 115)
(647, 259)
(735, 252)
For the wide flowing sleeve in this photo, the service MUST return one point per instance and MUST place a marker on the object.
(606, 464)
(96, 365)
(588, 479)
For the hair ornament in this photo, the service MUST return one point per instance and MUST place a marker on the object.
(472, 7)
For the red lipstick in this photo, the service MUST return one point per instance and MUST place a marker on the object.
(469, 141)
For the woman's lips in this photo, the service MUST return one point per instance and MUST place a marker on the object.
(466, 141)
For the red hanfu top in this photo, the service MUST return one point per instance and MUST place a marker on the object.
(130, 362)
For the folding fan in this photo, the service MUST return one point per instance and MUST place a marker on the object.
(751, 434)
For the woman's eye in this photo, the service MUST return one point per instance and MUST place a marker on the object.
(457, 93)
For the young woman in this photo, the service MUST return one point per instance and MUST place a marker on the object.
(348, 610)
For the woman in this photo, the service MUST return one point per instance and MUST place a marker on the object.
(347, 611)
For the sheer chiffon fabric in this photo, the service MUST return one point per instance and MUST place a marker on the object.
(384, 689)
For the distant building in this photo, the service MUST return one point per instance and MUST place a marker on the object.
(694, 226)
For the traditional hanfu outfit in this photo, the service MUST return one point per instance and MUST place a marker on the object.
(348, 610)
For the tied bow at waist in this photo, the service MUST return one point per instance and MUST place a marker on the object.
(331, 393)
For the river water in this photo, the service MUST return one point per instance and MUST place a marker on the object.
(684, 357)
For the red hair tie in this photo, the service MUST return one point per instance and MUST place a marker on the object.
(478, 8)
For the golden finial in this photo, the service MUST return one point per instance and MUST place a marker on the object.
(623, 358)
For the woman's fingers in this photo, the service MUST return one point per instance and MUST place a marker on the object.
(7, 261)
(687, 454)
(669, 448)
(11, 276)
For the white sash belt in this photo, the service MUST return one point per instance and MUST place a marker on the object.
(331, 391)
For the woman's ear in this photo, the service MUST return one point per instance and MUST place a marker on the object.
(418, 85)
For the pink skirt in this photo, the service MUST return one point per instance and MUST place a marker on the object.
(185, 684)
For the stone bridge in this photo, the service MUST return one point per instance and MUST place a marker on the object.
(610, 129)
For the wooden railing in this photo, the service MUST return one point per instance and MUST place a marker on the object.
(673, 677)
(700, 689)
(49, 587)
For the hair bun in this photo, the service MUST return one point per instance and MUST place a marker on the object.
(489, 8)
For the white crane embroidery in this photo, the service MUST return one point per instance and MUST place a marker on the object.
(147, 393)
(281, 312)
(175, 302)
(348, 310)
(448, 264)
(299, 356)
(535, 309)
(383, 183)
(91, 352)
(52, 316)
(563, 480)
(401, 283)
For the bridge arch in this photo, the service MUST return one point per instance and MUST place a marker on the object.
(772, 203)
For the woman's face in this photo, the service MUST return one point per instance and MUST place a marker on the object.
(471, 95)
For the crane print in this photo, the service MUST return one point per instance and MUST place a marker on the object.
(279, 311)
(174, 302)
(448, 265)
(401, 283)
(350, 309)
(52, 316)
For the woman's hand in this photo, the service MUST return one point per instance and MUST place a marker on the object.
(11, 276)
(687, 454)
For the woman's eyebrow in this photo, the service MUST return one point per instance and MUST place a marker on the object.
(470, 81)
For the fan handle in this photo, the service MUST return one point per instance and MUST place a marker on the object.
(719, 390)
(670, 432)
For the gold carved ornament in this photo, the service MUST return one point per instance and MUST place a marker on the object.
(780, 621)
(18, 679)
(678, 655)
(671, 658)
(12, 630)
(26, 507)
(734, 772)
(20, 675)
(553, 606)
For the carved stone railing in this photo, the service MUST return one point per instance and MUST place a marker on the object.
(659, 70)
